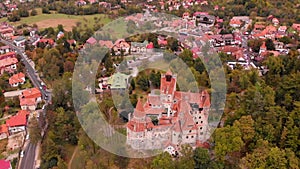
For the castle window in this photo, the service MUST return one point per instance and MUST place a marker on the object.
(201, 121)
(192, 136)
(187, 136)
(201, 133)
(196, 122)
(200, 128)
(199, 117)
(190, 131)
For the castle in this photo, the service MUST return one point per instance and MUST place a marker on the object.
(170, 119)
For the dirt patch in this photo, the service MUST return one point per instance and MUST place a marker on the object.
(67, 23)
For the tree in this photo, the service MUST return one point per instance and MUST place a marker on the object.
(155, 79)
(172, 44)
(201, 158)
(163, 161)
(34, 131)
(246, 125)
(185, 160)
(227, 140)
(270, 45)
(132, 84)
(255, 44)
(143, 82)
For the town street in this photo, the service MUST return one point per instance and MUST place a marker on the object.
(28, 161)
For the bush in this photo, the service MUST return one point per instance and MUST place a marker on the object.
(45, 10)
(33, 12)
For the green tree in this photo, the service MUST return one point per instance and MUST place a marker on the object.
(34, 131)
(185, 160)
(270, 44)
(227, 140)
(201, 158)
(163, 161)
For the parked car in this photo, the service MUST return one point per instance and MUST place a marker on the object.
(22, 153)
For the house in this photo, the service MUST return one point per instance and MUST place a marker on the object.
(19, 41)
(72, 42)
(46, 41)
(3, 131)
(8, 55)
(121, 46)
(235, 23)
(93, 1)
(17, 79)
(296, 27)
(282, 29)
(60, 35)
(30, 98)
(138, 47)
(91, 41)
(105, 5)
(18, 122)
(275, 21)
(80, 3)
(5, 164)
(118, 81)
(186, 15)
(6, 31)
(4, 49)
(8, 65)
(169, 118)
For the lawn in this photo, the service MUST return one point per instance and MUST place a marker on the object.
(117, 28)
(68, 21)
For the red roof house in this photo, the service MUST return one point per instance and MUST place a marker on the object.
(17, 122)
(17, 79)
(30, 98)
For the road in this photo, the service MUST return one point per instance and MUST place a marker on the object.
(28, 161)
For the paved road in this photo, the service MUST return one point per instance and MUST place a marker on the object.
(28, 161)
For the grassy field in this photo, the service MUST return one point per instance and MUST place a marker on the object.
(68, 21)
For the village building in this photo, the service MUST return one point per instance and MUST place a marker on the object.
(18, 122)
(118, 81)
(20, 41)
(169, 119)
(121, 47)
(6, 31)
(17, 79)
(30, 98)
(8, 65)
(5, 49)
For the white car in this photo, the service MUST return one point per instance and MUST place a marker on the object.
(27, 136)
(22, 154)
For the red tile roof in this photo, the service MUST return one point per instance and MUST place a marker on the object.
(167, 87)
(20, 119)
(31, 93)
(91, 41)
(8, 55)
(17, 78)
(3, 129)
(8, 61)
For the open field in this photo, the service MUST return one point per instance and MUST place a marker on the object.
(68, 21)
